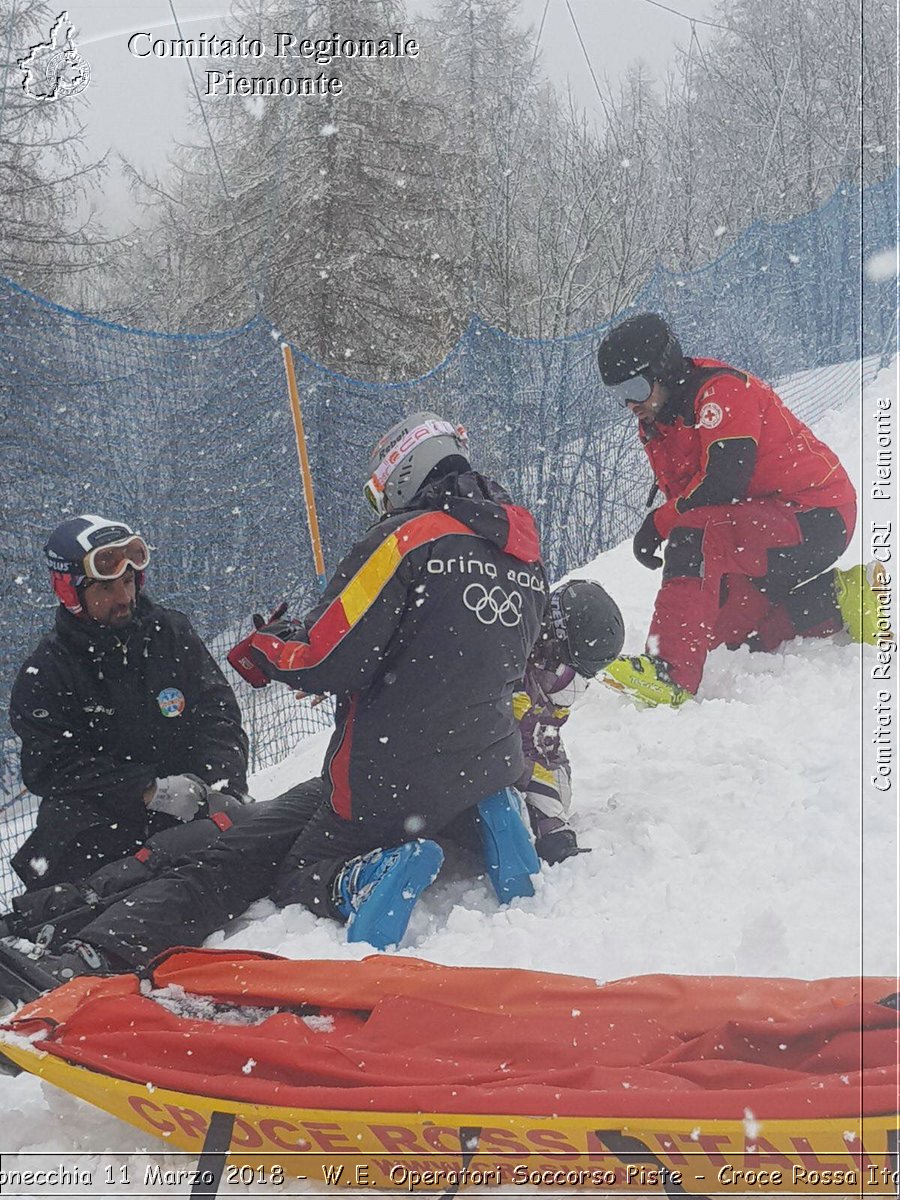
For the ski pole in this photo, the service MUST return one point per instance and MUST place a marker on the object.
(305, 472)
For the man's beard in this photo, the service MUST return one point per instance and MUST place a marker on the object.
(125, 618)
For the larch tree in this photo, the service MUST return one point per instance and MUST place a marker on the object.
(47, 233)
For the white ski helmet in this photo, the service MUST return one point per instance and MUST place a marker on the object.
(407, 454)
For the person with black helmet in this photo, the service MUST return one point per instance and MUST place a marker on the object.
(126, 721)
(582, 633)
(422, 634)
(756, 511)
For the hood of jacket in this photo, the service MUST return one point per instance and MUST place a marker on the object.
(487, 509)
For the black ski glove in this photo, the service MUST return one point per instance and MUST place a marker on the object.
(280, 626)
(260, 622)
(646, 543)
(288, 629)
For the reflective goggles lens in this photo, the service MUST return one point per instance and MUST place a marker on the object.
(630, 391)
(374, 497)
(113, 560)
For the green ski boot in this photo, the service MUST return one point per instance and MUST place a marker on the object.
(856, 591)
(644, 680)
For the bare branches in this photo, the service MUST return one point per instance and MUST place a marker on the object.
(373, 226)
(48, 233)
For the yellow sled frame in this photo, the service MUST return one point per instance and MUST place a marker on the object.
(446, 1152)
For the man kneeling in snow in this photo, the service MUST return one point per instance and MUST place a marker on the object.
(422, 635)
(757, 510)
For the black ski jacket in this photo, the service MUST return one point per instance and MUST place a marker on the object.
(102, 713)
(422, 634)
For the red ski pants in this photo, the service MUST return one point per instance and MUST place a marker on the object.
(746, 573)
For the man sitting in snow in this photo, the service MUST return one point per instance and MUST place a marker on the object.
(422, 635)
(757, 509)
(125, 719)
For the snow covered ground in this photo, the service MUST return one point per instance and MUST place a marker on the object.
(734, 836)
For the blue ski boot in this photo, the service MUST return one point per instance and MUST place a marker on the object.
(508, 848)
(377, 891)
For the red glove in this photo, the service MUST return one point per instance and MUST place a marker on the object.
(239, 655)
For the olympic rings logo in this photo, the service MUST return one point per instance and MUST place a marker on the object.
(494, 605)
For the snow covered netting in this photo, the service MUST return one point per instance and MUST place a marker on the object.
(773, 302)
(189, 437)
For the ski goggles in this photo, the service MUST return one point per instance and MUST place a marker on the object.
(373, 489)
(630, 391)
(374, 496)
(113, 560)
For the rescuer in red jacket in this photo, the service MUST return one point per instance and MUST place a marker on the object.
(756, 512)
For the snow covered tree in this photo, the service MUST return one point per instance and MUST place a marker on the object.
(499, 119)
(327, 210)
(369, 225)
(764, 120)
(47, 233)
(374, 222)
(878, 68)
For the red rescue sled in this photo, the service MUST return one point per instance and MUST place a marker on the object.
(403, 1074)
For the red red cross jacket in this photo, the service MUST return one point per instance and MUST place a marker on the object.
(724, 435)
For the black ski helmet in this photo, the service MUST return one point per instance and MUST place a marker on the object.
(587, 624)
(70, 544)
(641, 345)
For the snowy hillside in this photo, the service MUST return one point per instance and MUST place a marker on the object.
(727, 838)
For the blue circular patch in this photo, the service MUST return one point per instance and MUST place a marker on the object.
(171, 702)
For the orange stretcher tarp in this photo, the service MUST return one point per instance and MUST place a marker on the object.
(404, 1034)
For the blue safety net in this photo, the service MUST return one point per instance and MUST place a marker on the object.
(190, 437)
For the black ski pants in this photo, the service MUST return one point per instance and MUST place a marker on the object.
(290, 848)
(66, 862)
(798, 576)
(59, 912)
